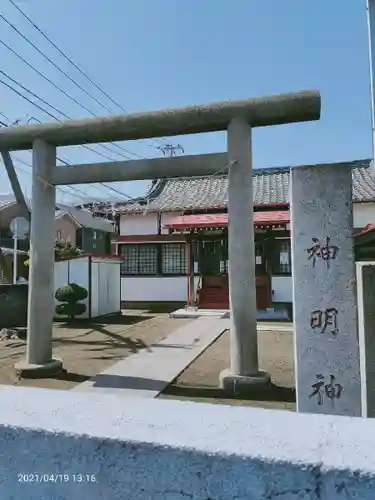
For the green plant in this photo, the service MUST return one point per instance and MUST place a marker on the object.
(63, 250)
(70, 296)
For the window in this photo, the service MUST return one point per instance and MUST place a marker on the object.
(282, 262)
(141, 259)
(59, 235)
(94, 235)
(174, 259)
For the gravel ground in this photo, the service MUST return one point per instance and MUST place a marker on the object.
(87, 348)
(199, 382)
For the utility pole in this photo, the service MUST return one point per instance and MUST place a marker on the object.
(170, 149)
(370, 7)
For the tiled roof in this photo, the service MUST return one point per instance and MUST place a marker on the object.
(270, 187)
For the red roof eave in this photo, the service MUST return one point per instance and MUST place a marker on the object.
(203, 221)
(367, 229)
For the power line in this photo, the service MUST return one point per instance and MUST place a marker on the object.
(53, 107)
(14, 52)
(80, 194)
(61, 52)
(53, 63)
(69, 164)
(54, 117)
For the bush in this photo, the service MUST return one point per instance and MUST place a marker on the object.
(71, 309)
(70, 295)
(63, 251)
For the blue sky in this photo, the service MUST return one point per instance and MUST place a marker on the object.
(168, 53)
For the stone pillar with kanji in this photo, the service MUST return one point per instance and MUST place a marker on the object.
(327, 364)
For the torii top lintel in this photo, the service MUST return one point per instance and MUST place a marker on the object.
(258, 112)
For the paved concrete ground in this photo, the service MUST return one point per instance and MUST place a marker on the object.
(148, 372)
(89, 348)
(200, 381)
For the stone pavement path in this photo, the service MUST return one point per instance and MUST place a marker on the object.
(148, 372)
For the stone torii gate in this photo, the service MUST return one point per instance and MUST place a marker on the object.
(238, 118)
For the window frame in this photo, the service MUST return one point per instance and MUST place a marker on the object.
(159, 249)
(184, 255)
(137, 246)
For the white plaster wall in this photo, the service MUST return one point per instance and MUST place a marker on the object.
(105, 283)
(363, 214)
(283, 289)
(95, 289)
(172, 289)
(175, 288)
(79, 273)
(166, 218)
(109, 287)
(138, 224)
(173, 450)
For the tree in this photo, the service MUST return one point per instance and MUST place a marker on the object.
(69, 296)
(63, 250)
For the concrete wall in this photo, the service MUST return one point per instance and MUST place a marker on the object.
(78, 446)
(13, 305)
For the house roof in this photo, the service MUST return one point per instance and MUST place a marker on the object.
(6, 203)
(6, 200)
(84, 218)
(270, 187)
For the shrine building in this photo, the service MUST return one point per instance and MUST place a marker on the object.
(174, 241)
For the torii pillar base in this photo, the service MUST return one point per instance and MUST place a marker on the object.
(46, 370)
(242, 385)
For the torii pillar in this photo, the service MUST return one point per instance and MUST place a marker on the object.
(244, 374)
(238, 118)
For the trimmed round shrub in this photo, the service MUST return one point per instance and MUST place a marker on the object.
(70, 309)
(71, 293)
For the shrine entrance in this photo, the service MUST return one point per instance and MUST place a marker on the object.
(213, 269)
(211, 256)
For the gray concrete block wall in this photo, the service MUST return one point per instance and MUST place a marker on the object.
(71, 445)
(13, 305)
